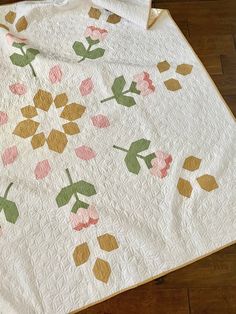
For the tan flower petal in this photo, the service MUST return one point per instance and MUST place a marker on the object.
(81, 254)
(184, 187)
(29, 111)
(38, 140)
(207, 182)
(10, 17)
(26, 128)
(57, 141)
(43, 100)
(94, 13)
(163, 66)
(184, 69)
(113, 19)
(102, 270)
(191, 163)
(172, 85)
(107, 242)
(21, 24)
(71, 128)
(61, 100)
(72, 112)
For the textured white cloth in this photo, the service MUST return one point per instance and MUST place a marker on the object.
(136, 11)
(117, 156)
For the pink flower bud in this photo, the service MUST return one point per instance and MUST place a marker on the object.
(55, 74)
(18, 89)
(86, 87)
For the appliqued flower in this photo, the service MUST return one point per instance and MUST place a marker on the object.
(100, 121)
(96, 33)
(84, 217)
(11, 39)
(9, 155)
(85, 152)
(57, 139)
(160, 164)
(144, 83)
(93, 36)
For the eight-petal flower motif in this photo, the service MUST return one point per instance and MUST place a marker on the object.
(56, 139)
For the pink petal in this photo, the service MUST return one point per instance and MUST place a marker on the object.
(85, 152)
(55, 74)
(18, 89)
(74, 219)
(86, 87)
(42, 169)
(100, 121)
(168, 159)
(3, 117)
(9, 155)
(13, 39)
(83, 216)
(93, 214)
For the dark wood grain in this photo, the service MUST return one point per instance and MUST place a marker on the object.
(209, 285)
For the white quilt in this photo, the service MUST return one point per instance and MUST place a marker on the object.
(117, 156)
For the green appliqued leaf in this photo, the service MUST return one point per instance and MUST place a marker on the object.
(148, 160)
(79, 204)
(126, 101)
(31, 53)
(139, 146)
(80, 187)
(95, 54)
(65, 195)
(84, 188)
(118, 85)
(133, 88)
(10, 210)
(19, 60)
(79, 49)
(23, 60)
(18, 45)
(92, 42)
(132, 163)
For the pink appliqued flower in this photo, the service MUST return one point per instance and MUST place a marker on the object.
(3, 117)
(160, 164)
(55, 74)
(144, 83)
(42, 169)
(100, 121)
(14, 39)
(86, 87)
(84, 218)
(96, 33)
(85, 152)
(9, 155)
(18, 89)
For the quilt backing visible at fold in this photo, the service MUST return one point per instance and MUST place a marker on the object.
(117, 156)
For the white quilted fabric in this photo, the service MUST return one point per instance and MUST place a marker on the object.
(83, 218)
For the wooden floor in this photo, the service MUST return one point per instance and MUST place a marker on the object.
(207, 286)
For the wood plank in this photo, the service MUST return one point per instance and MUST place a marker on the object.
(145, 299)
(228, 63)
(213, 271)
(212, 64)
(226, 83)
(213, 45)
(209, 301)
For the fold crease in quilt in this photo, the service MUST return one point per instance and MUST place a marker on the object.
(117, 155)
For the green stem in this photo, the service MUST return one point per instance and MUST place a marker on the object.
(71, 182)
(126, 150)
(113, 97)
(7, 190)
(120, 148)
(89, 47)
(33, 71)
